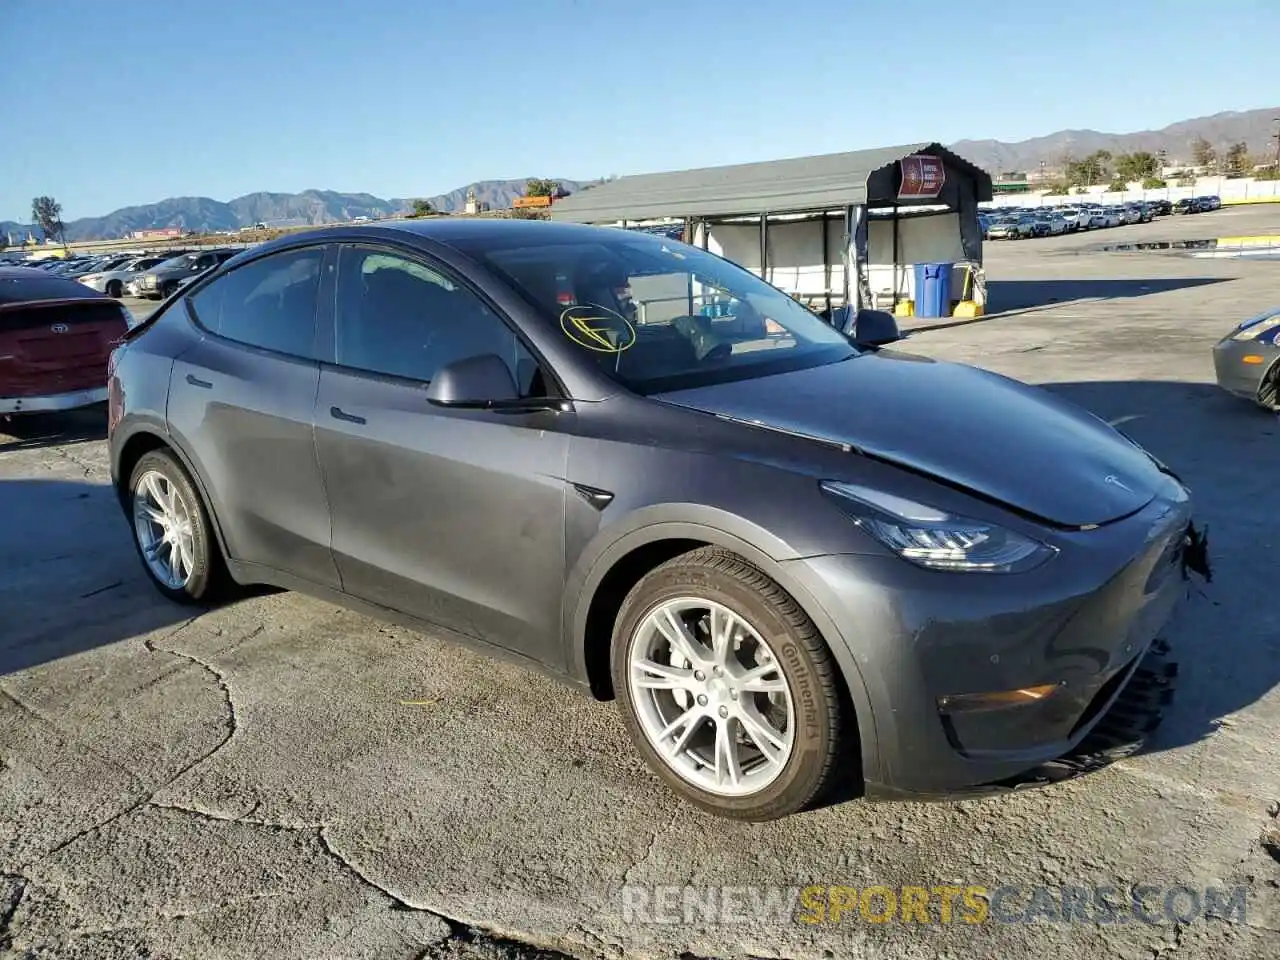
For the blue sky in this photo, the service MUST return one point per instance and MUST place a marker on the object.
(120, 104)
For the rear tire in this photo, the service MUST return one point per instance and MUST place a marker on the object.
(172, 531)
(765, 716)
(115, 289)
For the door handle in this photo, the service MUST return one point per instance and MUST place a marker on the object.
(197, 382)
(339, 414)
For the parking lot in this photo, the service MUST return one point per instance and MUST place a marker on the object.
(283, 778)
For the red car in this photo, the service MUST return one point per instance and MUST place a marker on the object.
(56, 336)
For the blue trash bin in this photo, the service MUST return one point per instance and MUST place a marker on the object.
(933, 290)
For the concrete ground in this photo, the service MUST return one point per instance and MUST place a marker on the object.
(280, 778)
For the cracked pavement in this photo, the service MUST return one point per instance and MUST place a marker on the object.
(280, 777)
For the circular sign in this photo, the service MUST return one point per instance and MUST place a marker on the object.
(597, 328)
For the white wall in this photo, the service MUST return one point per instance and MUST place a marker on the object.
(1229, 189)
(795, 254)
(934, 239)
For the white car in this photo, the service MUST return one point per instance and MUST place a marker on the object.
(1106, 218)
(114, 283)
(1077, 218)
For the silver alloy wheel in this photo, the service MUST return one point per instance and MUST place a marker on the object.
(710, 697)
(162, 522)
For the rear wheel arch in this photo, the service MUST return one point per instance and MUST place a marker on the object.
(139, 445)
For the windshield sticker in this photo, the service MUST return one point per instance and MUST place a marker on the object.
(597, 328)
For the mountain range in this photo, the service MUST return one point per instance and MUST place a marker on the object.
(310, 207)
(1257, 128)
(1254, 127)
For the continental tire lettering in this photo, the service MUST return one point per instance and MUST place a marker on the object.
(802, 690)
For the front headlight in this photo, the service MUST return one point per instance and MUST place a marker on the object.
(1255, 328)
(932, 538)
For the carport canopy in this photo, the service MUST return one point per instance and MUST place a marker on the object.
(835, 181)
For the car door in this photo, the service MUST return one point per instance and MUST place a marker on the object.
(241, 404)
(452, 516)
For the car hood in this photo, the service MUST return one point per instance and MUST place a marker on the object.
(1001, 439)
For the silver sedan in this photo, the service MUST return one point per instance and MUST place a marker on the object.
(113, 282)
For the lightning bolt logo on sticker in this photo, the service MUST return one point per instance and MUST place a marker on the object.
(597, 328)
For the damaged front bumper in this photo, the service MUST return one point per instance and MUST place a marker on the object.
(1065, 641)
(1124, 729)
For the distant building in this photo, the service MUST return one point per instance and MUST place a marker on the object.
(1010, 182)
(164, 233)
(474, 205)
(525, 203)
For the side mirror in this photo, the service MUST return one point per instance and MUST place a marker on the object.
(481, 381)
(874, 328)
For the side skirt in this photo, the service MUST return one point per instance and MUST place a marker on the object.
(254, 574)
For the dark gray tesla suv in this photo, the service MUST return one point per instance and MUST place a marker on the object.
(793, 558)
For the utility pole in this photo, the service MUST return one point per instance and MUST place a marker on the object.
(1276, 168)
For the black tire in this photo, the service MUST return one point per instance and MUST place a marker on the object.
(1269, 389)
(166, 291)
(115, 289)
(209, 579)
(805, 663)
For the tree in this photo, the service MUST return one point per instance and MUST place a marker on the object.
(423, 208)
(1153, 183)
(1136, 166)
(1095, 168)
(1202, 152)
(1237, 162)
(47, 212)
(543, 188)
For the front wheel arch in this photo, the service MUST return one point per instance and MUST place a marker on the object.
(635, 554)
(1269, 388)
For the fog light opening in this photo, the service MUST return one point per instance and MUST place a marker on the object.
(997, 699)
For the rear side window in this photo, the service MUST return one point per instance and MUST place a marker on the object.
(400, 317)
(269, 303)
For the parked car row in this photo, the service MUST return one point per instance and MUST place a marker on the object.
(1019, 223)
(1197, 205)
(151, 276)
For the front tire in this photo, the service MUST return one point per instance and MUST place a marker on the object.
(727, 688)
(1269, 389)
(172, 532)
(115, 289)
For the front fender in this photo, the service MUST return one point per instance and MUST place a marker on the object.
(723, 529)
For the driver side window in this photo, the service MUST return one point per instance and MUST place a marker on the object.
(399, 317)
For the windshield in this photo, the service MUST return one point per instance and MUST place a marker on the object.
(183, 260)
(657, 314)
